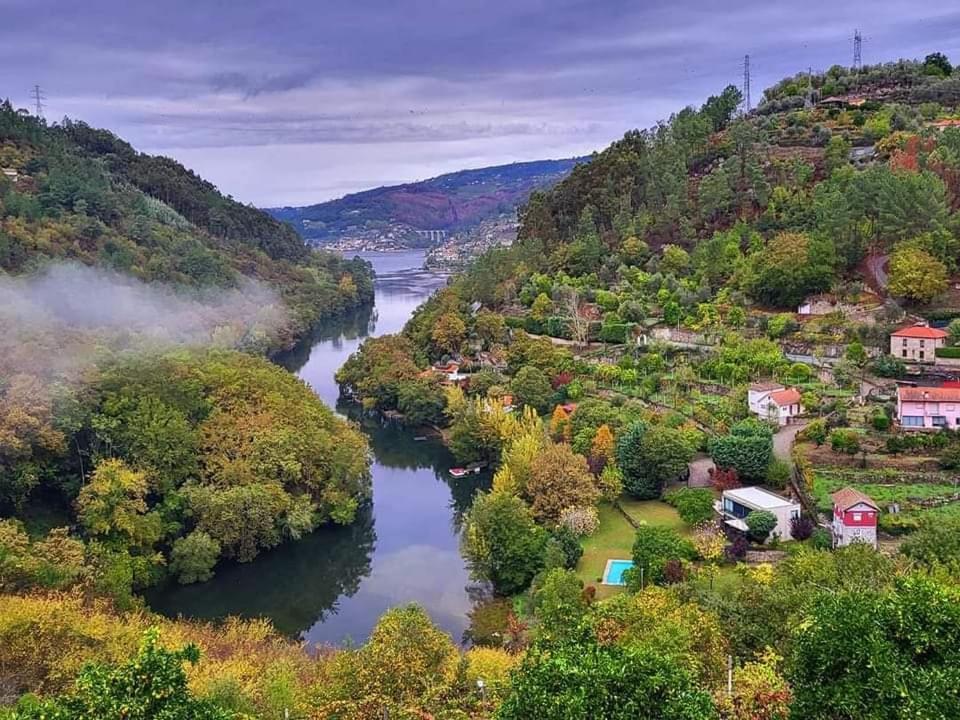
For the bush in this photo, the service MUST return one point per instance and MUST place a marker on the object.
(760, 523)
(649, 458)
(821, 539)
(653, 547)
(778, 474)
(948, 352)
(845, 440)
(801, 528)
(950, 459)
(565, 545)
(815, 432)
(737, 549)
(724, 478)
(694, 505)
(748, 448)
(580, 520)
(880, 421)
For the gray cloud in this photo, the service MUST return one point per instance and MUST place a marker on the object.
(263, 98)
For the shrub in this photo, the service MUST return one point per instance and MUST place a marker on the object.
(651, 457)
(724, 478)
(748, 448)
(801, 528)
(653, 547)
(737, 549)
(761, 524)
(674, 571)
(694, 505)
(845, 440)
(778, 474)
(950, 459)
(580, 520)
(880, 421)
(821, 539)
(815, 432)
(565, 544)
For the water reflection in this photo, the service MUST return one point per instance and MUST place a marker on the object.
(333, 585)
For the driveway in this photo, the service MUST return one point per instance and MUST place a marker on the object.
(783, 440)
(700, 472)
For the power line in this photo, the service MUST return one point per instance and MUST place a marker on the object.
(746, 84)
(38, 98)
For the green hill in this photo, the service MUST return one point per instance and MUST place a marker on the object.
(72, 192)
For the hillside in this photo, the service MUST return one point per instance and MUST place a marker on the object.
(455, 203)
(70, 192)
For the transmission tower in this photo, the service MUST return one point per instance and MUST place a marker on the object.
(746, 84)
(857, 46)
(38, 98)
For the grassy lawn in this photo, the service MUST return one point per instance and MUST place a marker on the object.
(613, 540)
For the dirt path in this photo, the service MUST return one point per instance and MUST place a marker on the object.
(783, 440)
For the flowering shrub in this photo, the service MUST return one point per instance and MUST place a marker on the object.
(580, 520)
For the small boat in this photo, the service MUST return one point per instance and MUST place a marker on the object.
(458, 472)
(419, 438)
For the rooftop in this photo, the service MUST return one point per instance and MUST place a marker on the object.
(790, 396)
(934, 394)
(848, 497)
(766, 386)
(757, 498)
(923, 332)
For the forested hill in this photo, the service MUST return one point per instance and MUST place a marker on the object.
(455, 201)
(833, 177)
(72, 192)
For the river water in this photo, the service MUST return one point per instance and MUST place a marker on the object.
(331, 586)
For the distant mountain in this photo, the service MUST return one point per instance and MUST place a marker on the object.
(400, 215)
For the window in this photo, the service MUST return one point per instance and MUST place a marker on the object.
(921, 354)
(923, 343)
(904, 353)
(904, 342)
(939, 421)
(911, 421)
(857, 517)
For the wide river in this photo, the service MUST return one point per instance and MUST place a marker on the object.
(332, 586)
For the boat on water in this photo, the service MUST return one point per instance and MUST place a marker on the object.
(473, 468)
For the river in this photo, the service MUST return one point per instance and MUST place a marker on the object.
(330, 587)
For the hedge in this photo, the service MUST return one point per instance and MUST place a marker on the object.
(948, 352)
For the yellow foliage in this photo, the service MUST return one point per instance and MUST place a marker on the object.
(491, 665)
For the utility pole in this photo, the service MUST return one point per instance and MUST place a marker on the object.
(38, 98)
(746, 84)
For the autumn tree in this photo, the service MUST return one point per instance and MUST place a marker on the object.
(560, 427)
(559, 478)
(601, 450)
(449, 332)
(113, 505)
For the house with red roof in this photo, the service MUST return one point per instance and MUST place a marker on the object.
(928, 408)
(774, 402)
(917, 343)
(854, 518)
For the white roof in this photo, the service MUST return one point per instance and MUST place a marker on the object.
(757, 498)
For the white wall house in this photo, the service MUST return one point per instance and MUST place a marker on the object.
(774, 402)
(734, 506)
(917, 343)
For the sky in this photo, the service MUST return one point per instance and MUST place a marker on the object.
(292, 102)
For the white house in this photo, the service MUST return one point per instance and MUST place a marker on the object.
(734, 506)
(774, 402)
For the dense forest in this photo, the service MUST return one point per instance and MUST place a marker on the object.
(589, 365)
(72, 192)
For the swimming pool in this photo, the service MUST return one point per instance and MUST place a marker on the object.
(613, 575)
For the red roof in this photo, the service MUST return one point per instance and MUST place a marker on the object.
(786, 397)
(928, 394)
(848, 497)
(921, 331)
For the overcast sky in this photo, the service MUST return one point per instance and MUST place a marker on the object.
(293, 102)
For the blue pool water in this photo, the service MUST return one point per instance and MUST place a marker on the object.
(615, 570)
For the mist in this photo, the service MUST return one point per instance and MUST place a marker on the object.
(56, 324)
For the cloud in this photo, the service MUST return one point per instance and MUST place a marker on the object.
(195, 78)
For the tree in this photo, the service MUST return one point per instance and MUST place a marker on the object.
(152, 685)
(935, 542)
(760, 692)
(193, 557)
(575, 314)
(531, 386)
(502, 542)
(586, 679)
(653, 547)
(601, 450)
(719, 109)
(559, 604)
(845, 440)
(747, 449)
(559, 479)
(421, 401)
(674, 259)
(651, 457)
(113, 505)
(937, 64)
(917, 275)
(560, 429)
(837, 153)
(490, 327)
(790, 267)
(541, 308)
(449, 332)
(878, 656)
(760, 523)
